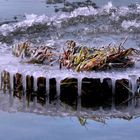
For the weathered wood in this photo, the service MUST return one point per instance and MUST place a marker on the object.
(69, 91)
(91, 92)
(94, 91)
(121, 92)
(18, 87)
(41, 91)
(5, 81)
(106, 92)
(52, 91)
(29, 88)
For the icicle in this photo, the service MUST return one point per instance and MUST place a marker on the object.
(35, 83)
(58, 82)
(48, 91)
(79, 90)
(129, 85)
(113, 92)
(24, 101)
(101, 80)
(113, 85)
(35, 76)
(12, 81)
(79, 86)
(47, 85)
(34, 102)
(0, 79)
(133, 79)
(24, 82)
(101, 109)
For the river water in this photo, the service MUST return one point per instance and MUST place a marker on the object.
(37, 22)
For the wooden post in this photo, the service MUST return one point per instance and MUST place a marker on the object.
(69, 91)
(121, 92)
(93, 93)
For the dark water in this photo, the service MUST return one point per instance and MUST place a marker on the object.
(35, 21)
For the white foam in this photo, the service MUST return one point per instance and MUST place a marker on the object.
(84, 11)
(58, 19)
(122, 11)
(108, 7)
(28, 22)
(130, 23)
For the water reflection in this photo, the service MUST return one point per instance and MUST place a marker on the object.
(34, 127)
(38, 100)
(69, 120)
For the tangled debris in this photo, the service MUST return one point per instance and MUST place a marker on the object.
(82, 58)
(79, 57)
(41, 55)
(102, 118)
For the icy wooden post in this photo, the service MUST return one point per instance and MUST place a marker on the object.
(52, 93)
(68, 90)
(106, 92)
(94, 92)
(35, 87)
(91, 92)
(18, 85)
(5, 81)
(121, 92)
(29, 88)
(41, 92)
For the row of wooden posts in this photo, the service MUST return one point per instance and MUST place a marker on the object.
(93, 92)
